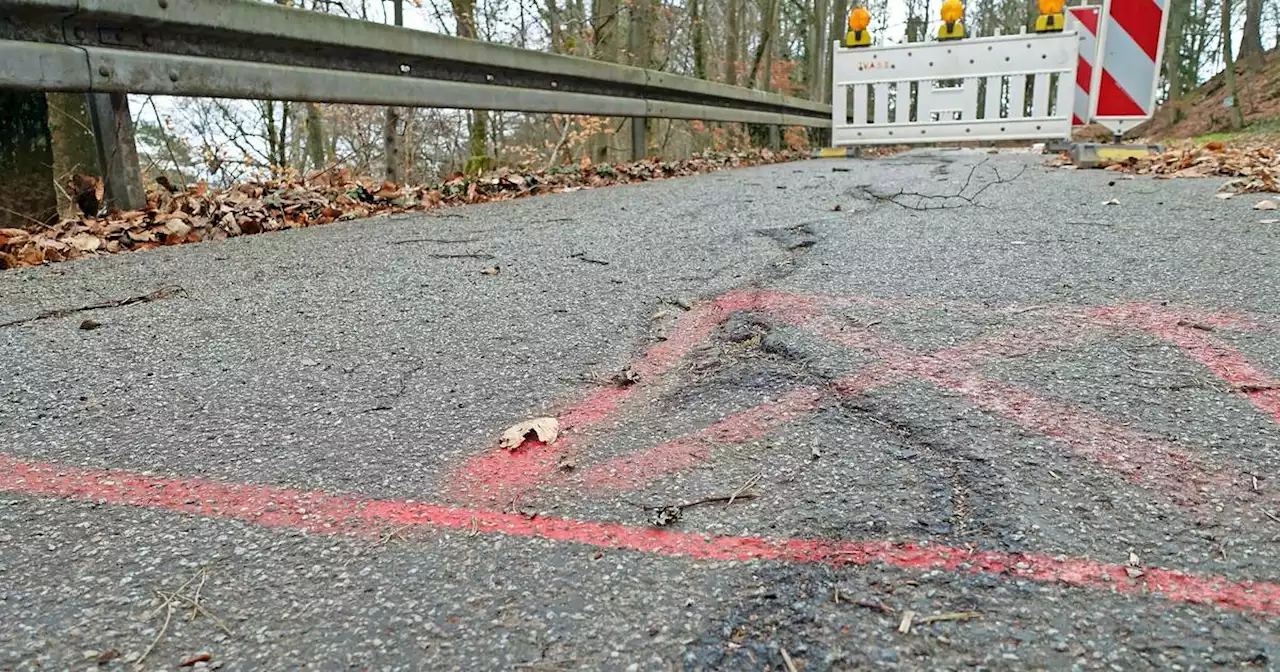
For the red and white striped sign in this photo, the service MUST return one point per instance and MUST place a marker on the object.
(1131, 42)
(1084, 20)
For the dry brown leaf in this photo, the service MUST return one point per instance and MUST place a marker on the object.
(85, 242)
(546, 430)
(177, 228)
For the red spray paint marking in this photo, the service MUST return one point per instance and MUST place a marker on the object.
(323, 513)
(501, 476)
(1191, 335)
(1137, 457)
(634, 470)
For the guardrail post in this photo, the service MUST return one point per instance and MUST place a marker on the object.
(639, 138)
(117, 154)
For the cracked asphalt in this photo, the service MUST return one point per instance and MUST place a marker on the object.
(374, 359)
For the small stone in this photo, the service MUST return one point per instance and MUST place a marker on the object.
(90, 325)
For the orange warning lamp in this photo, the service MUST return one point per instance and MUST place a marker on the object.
(951, 28)
(1051, 19)
(952, 11)
(858, 35)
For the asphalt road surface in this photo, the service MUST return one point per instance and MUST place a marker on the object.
(1022, 428)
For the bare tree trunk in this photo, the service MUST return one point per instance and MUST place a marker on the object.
(604, 29)
(1173, 56)
(839, 15)
(774, 33)
(816, 51)
(640, 44)
(73, 146)
(316, 145)
(1237, 118)
(763, 47)
(1251, 38)
(391, 126)
(732, 40)
(464, 12)
(699, 38)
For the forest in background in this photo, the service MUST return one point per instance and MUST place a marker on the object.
(776, 45)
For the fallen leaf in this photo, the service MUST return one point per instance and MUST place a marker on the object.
(1112, 202)
(177, 228)
(1134, 560)
(198, 658)
(85, 242)
(547, 430)
(1266, 205)
(492, 270)
(90, 325)
(1224, 195)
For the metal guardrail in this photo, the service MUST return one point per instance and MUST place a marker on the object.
(257, 50)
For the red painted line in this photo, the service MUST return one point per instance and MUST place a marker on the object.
(1222, 360)
(323, 513)
(499, 476)
(1141, 20)
(1139, 458)
(636, 469)
(1113, 101)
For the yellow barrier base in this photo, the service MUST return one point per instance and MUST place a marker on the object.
(857, 38)
(953, 31)
(1098, 155)
(837, 153)
(1050, 23)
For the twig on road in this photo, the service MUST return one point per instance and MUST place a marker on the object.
(944, 201)
(167, 606)
(786, 658)
(471, 255)
(162, 293)
(582, 256)
(442, 241)
(744, 487)
(951, 616)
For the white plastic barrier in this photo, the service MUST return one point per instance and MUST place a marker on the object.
(1014, 87)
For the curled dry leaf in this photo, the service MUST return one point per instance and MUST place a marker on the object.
(1266, 205)
(492, 270)
(546, 430)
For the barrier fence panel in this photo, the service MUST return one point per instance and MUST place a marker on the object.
(1083, 20)
(1131, 43)
(1014, 87)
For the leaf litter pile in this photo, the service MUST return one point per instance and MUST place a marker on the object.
(1254, 165)
(174, 216)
